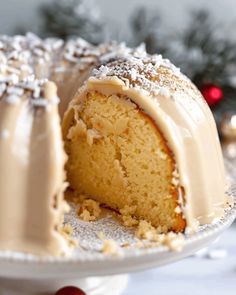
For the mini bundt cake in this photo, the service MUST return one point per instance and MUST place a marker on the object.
(139, 139)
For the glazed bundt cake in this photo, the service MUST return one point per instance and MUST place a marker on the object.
(138, 136)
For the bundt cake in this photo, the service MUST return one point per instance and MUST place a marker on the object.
(138, 137)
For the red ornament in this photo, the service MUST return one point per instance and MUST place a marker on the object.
(70, 291)
(212, 94)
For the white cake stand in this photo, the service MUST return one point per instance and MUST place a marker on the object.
(92, 271)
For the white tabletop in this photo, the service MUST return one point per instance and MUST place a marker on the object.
(204, 275)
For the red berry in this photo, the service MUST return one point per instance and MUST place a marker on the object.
(212, 94)
(70, 291)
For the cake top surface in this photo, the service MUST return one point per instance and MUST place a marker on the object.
(152, 74)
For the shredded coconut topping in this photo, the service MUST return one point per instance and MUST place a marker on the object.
(151, 74)
(25, 59)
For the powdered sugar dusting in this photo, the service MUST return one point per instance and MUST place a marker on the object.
(133, 74)
(139, 70)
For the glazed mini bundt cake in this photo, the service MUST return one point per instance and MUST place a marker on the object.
(138, 138)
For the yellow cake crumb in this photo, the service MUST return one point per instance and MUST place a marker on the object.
(145, 230)
(173, 241)
(89, 210)
(66, 231)
(129, 221)
(67, 228)
(110, 247)
(101, 235)
(91, 135)
(160, 154)
(77, 130)
(127, 216)
(126, 245)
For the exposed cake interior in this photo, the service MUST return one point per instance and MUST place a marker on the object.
(118, 157)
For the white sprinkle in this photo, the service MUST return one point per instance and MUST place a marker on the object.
(24, 56)
(217, 254)
(16, 45)
(78, 51)
(36, 93)
(47, 46)
(38, 52)
(41, 82)
(15, 90)
(177, 210)
(164, 91)
(57, 44)
(133, 74)
(12, 70)
(4, 134)
(88, 60)
(29, 79)
(12, 99)
(158, 60)
(70, 58)
(33, 37)
(82, 43)
(13, 55)
(31, 85)
(103, 70)
(141, 49)
(40, 102)
(175, 69)
(59, 69)
(14, 79)
(26, 68)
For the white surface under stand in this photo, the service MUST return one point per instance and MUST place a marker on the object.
(93, 272)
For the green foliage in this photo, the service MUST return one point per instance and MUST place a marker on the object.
(145, 28)
(200, 50)
(216, 55)
(68, 18)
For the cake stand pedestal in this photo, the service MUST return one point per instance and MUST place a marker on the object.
(113, 285)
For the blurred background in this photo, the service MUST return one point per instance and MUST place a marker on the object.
(200, 38)
(197, 36)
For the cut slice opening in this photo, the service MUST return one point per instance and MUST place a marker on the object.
(118, 156)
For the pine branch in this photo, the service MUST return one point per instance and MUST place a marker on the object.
(68, 18)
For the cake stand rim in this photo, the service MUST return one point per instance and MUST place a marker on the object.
(12, 265)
